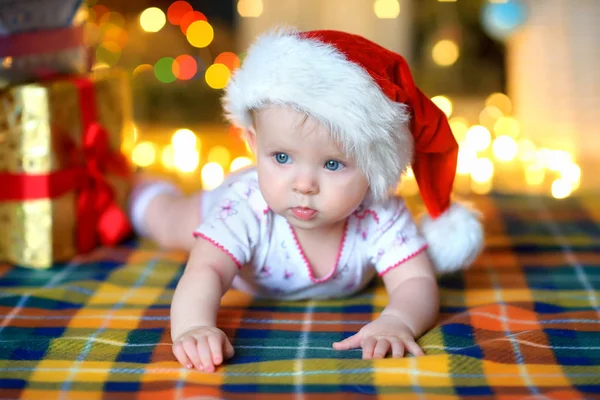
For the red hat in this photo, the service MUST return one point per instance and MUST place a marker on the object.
(366, 96)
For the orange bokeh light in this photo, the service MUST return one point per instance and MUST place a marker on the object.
(230, 60)
(177, 10)
(185, 67)
(189, 18)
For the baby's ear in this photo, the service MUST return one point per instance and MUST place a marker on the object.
(250, 135)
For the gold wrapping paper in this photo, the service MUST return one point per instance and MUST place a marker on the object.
(36, 120)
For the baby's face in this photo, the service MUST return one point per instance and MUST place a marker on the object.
(303, 174)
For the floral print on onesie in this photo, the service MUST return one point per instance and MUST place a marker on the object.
(377, 237)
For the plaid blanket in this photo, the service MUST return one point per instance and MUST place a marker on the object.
(523, 323)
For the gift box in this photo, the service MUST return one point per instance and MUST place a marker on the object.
(40, 39)
(64, 179)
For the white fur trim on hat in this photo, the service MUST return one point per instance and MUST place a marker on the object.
(283, 68)
(455, 238)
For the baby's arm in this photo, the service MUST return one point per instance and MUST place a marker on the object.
(412, 309)
(196, 339)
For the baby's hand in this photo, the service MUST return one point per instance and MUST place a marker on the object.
(377, 338)
(202, 347)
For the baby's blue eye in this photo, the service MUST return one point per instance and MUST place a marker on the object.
(333, 165)
(282, 158)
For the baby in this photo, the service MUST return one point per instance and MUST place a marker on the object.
(332, 120)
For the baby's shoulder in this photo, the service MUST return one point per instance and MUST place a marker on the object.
(243, 187)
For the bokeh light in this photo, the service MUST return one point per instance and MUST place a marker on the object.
(250, 8)
(459, 126)
(177, 10)
(386, 9)
(111, 18)
(505, 148)
(229, 59)
(167, 157)
(117, 35)
(489, 115)
(507, 126)
(152, 19)
(190, 18)
(184, 67)
(187, 159)
(108, 53)
(239, 163)
(483, 170)
(443, 103)
(200, 34)
(527, 150)
(466, 160)
(478, 137)
(142, 68)
(144, 154)
(561, 188)
(163, 70)
(217, 76)
(219, 155)
(445, 52)
(184, 139)
(535, 174)
(212, 175)
(500, 101)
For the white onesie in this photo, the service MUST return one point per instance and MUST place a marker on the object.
(271, 262)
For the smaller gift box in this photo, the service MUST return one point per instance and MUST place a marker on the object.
(64, 178)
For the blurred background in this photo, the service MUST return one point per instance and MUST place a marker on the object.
(517, 78)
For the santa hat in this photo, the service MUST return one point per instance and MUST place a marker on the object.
(366, 96)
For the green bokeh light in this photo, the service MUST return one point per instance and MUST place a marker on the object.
(163, 70)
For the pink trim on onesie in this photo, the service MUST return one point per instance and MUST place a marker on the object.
(307, 263)
(221, 247)
(365, 213)
(405, 259)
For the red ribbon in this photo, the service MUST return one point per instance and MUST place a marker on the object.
(99, 218)
(40, 42)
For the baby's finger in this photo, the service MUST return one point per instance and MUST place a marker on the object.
(413, 348)
(215, 343)
(368, 345)
(205, 354)
(229, 352)
(397, 349)
(189, 346)
(353, 342)
(381, 348)
(179, 353)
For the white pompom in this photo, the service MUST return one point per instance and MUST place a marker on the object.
(455, 238)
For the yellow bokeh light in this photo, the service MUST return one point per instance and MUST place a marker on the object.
(167, 157)
(535, 174)
(386, 9)
(217, 76)
(200, 34)
(478, 137)
(466, 160)
(459, 126)
(571, 172)
(527, 150)
(239, 163)
(483, 170)
(558, 159)
(445, 52)
(184, 139)
(219, 155)
(489, 115)
(443, 103)
(505, 148)
(212, 176)
(507, 126)
(250, 8)
(152, 19)
(144, 154)
(186, 160)
(561, 188)
(500, 101)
